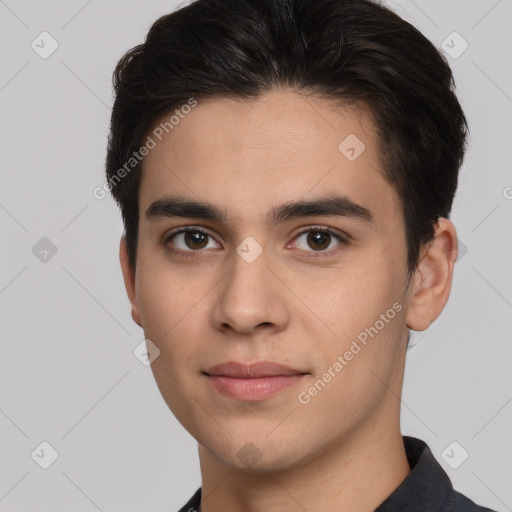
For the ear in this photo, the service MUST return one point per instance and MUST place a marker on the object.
(129, 280)
(432, 281)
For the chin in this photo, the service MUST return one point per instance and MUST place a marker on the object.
(259, 456)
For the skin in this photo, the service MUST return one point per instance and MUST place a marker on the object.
(343, 450)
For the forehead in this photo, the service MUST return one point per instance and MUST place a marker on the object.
(251, 155)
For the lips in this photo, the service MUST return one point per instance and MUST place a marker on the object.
(252, 370)
(252, 382)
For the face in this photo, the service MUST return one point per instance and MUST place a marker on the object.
(304, 264)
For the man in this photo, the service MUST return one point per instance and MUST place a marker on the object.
(285, 171)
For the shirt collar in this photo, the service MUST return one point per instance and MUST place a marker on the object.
(426, 487)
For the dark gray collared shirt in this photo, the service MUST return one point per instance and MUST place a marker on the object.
(427, 488)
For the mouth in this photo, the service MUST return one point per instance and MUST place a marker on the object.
(252, 382)
(252, 370)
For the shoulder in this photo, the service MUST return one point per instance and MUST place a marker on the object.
(427, 488)
(462, 503)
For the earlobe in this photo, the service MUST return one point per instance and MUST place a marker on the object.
(432, 280)
(129, 280)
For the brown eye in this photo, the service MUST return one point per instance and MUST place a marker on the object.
(190, 240)
(318, 240)
(195, 239)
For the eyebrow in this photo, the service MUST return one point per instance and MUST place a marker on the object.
(332, 205)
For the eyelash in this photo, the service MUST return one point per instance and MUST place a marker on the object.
(317, 254)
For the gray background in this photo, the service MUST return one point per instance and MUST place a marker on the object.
(68, 373)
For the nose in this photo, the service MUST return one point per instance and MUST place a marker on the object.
(251, 297)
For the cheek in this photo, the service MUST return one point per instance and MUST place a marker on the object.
(175, 311)
(348, 300)
(158, 306)
(357, 369)
(164, 298)
(363, 307)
